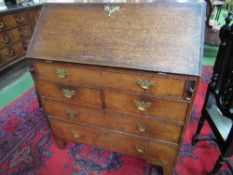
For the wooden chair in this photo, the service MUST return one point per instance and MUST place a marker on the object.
(218, 106)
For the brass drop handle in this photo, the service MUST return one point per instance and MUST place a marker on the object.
(142, 105)
(142, 128)
(62, 73)
(140, 149)
(11, 53)
(68, 93)
(76, 134)
(23, 33)
(5, 40)
(72, 113)
(2, 25)
(20, 19)
(145, 84)
(111, 9)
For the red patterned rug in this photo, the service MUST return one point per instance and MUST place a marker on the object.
(28, 148)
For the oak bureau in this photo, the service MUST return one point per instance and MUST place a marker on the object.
(120, 76)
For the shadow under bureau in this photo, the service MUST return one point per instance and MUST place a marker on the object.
(120, 76)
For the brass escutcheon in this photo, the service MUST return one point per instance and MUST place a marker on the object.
(142, 105)
(68, 93)
(145, 84)
(111, 9)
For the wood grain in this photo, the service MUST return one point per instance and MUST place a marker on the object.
(140, 36)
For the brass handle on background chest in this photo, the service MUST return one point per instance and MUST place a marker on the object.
(111, 9)
(20, 19)
(72, 113)
(68, 93)
(2, 25)
(140, 149)
(142, 105)
(62, 73)
(145, 84)
(5, 40)
(11, 53)
(142, 128)
(24, 33)
(76, 134)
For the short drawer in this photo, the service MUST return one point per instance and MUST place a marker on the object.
(149, 106)
(142, 148)
(9, 37)
(67, 93)
(126, 80)
(7, 22)
(12, 51)
(118, 122)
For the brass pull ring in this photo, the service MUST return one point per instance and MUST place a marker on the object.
(2, 25)
(76, 134)
(140, 149)
(11, 53)
(142, 105)
(5, 40)
(142, 128)
(62, 73)
(145, 84)
(68, 93)
(20, 19)
(72, 113)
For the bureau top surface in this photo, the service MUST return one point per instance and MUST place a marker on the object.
(158, 36)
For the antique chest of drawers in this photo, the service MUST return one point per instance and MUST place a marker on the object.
(16, 27)
(119, 76)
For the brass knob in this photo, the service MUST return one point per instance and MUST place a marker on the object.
(2, 25)
(111, 9)
(76, 134)
(142, 128)
(62, 73)
(142, 105)
(140, 149)
(11, 53)
(72, 113)
(145, 84)
(20, 19)
(68, 93)
(5, 40)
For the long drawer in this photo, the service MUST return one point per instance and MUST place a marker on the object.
(118, 122)
(162, 108)
(142, 148)
(126, 80)
(69, 93)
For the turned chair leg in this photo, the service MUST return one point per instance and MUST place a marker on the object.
(195, 138)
